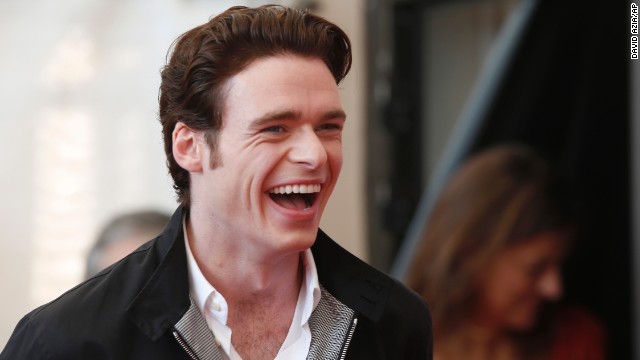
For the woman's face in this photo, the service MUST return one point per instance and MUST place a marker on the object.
(519, 280)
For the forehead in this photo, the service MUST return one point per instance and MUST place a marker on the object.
(266, 72)
(283, 80)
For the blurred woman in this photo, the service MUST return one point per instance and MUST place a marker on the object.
(490, 265)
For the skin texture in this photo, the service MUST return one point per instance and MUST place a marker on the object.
(282, 125)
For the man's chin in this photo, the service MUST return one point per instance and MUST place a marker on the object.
(291, 234)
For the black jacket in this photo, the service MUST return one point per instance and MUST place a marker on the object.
(140, 308)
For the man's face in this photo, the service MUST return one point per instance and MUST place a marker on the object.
(279, 152)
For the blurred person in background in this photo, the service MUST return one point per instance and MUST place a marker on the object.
(252, 124)
(489, 264)
(122, 235)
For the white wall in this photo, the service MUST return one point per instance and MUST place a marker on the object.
(79, 139)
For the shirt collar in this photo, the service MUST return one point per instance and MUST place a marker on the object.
(201, 290)
(310, 290)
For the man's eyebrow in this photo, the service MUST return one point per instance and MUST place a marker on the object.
(295, 115)
(335, 114)
(276, 115)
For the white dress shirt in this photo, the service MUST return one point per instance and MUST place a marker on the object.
(214, 308)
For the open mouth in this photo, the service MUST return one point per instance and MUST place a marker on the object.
(295, 197)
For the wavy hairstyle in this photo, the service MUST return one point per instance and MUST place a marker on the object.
(204, 58)
(497, 198)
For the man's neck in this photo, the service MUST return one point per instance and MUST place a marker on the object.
(242, 274)
(260, 324)
(261, 292)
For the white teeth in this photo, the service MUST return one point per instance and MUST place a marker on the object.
(296, 189)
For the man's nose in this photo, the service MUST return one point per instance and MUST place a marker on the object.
(308, 149)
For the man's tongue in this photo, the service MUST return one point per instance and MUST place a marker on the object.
(290, 201)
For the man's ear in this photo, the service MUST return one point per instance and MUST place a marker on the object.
(188, 147)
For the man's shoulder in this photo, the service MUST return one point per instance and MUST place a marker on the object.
(108, 292)
(95, 303)
(91, 312)
(128, 306)
(390, 315)
(361, 286)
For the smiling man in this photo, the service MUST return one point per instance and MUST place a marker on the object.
(252, 124)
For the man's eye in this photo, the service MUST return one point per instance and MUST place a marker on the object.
(273, 129)
(330, 127)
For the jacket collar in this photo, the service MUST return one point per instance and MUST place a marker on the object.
(164, 299)
(193, 333)
(349, 279)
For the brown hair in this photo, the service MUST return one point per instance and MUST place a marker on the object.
(204, 58)
(495, 199)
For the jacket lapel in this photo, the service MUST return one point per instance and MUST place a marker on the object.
(329, 325)
(349, 279)
(164, 299)
(164, 305)
(193, 330)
